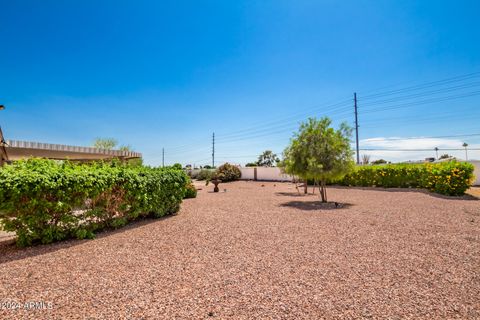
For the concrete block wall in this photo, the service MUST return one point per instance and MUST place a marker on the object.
(264, 174)
(476, 164)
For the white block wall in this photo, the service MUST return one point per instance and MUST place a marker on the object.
(476, 163)
(265, 174)
(248, 173)
(272, 174)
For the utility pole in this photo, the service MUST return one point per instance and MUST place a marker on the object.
(163, 157)
(356, 126)
(213, 150)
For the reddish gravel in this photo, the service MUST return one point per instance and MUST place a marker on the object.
(263, 252)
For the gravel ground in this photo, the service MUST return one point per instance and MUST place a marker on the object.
(260, 251)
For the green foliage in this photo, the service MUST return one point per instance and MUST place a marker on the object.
(379, 161)
(135, 162)
(46, 201)
(267, 159)
(105, 143)
(449, 178)
(190, 191)
(318, 152)
(177, 166)
(251, 164)
(204, 174)
(228, 172)
(125, 148)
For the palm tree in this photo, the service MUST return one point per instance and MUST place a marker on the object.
(465, 145)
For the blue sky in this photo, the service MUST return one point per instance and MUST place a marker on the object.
(156, 74)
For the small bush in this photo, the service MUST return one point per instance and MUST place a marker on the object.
(204, 174)
(228, 172)
(191, 191)
(45, 201)
(448, 178)
(177, 166)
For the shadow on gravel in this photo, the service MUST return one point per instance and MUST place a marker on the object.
(315, 205)
(467, 197)
(296, 194)
(10, 252)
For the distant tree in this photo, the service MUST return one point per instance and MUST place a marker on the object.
(177, 166)
(445, 156)
(267, 159)
(379, 161)
(136, 162)
(465, 145)
(251, 164)
(319, 152)
(365, 159)
(125, 148)
(105, 143)
(208, 167)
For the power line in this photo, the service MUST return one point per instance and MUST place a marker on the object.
(407, 150)
(421, 94)
(424, 85)
(412, 104)
(434, 137)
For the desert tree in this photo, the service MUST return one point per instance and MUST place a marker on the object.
(365, 159)
(267, 159)
(465, 145)
(105, 143)
(320, 153)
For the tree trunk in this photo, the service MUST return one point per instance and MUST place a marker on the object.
(305, 187)
(323, 190)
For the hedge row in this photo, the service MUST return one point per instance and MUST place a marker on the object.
(448, 178)
(46, 201)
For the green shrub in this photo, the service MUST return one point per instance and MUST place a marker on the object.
(191, 191)
(177, 166)
(204, 174)
(228, 172)
(449, 178)
(46, 201)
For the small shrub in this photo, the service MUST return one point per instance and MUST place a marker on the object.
(191, 191)
(449, 178)
(177, 166)
(205, 174)
(228, 172)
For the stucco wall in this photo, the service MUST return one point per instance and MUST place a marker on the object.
(264, 173)
(476, 163)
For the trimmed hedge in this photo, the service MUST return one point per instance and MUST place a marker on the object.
(45, 201)
(449, 178)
